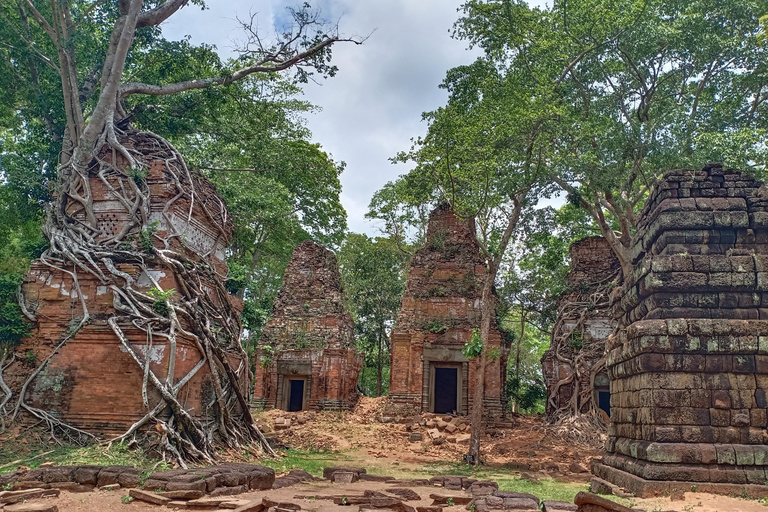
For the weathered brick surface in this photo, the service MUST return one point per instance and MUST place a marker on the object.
(688, 367)
(92, 382)
(593, 264)
(310, 335)
(439, 309)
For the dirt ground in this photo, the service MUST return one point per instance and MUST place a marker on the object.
(525, 457)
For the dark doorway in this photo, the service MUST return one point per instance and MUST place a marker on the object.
(604, 401)
(446, 387)
(296, 400)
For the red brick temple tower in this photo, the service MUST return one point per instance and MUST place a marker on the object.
(92, 382)
(439, 310)
(307, 357)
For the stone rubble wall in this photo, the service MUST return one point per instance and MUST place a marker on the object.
(689, 368)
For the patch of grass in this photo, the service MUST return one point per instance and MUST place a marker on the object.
(311, 461)
(117, 454)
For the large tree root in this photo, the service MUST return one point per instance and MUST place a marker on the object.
(586, 361)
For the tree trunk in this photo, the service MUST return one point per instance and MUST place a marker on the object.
(476, 414)
(515, 406)
(378, 363)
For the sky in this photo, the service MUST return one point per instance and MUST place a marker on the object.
(372, 108)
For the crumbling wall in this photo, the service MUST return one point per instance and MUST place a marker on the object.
(310, 335)
(689, 368)
(92, 382)
(574, 364)
(440, 308)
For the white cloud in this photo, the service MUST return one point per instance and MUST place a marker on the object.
(373, 107)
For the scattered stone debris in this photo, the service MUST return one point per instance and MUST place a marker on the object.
(224, 479)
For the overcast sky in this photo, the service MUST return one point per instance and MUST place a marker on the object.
(372, 108)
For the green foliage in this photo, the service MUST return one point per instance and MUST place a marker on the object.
(145, 237)
(529, 396)
(373, 274)
(265, 357)
(160, 300)
(473, 347)
(576, 340)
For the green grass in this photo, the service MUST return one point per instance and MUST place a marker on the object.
(311, 461)
(118, 454)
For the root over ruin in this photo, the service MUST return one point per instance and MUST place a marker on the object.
(129, 305)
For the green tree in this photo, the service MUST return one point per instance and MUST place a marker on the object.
(373, 272)
(630, 89)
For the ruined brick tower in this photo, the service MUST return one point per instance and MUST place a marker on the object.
(440, 307)
(689, 368)
(584, 322)
(307, 357)
(92, 382)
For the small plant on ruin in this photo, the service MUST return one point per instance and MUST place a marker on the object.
(576, 341)
(126, 499)
(145, 236)
(30, 356)
(160, 300)
(493, 354)
(266, 355)
(138, 175)
(437, 242)
(435, 326)
(449, 502)
(473, 347)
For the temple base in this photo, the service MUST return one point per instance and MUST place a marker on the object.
(643, 488)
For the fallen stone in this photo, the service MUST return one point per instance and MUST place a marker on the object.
(677, 495)
(71, 486)
(429, 509)
(453, 482)
(558, 506)
(207, 502)
(412, 482)
(86, 474)
(152, 484)
(511, 494)
(466, 482)
(327, 472)
(149, 497)
(344, 477)
(404, 494)
(600, 486)
(234, 503)
(110, 487)
(440, 499)
(285, 481)
(462, 439)
(530, 478)
(128, 480)
(376, 478)
(253, 506)
(584, 499)
(26, 494)
(415, 437)
(526, 504)
(22, 486)
(177, 504)
(483, 488)
(575, 467)
(32, 507)
(228, 491)
(451, 428)
(184, 495)
(107, 477)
